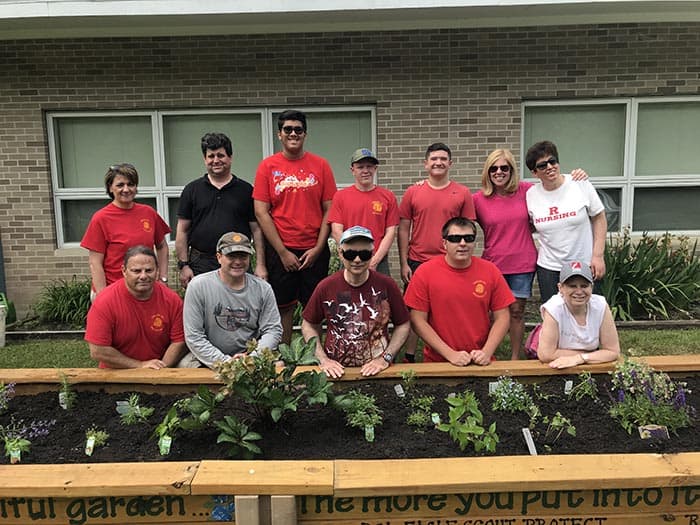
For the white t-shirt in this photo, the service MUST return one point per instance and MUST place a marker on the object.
(562, 220)
(572, 335)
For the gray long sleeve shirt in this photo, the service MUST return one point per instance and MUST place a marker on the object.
(219, 321)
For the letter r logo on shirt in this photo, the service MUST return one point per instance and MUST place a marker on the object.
(554, 210)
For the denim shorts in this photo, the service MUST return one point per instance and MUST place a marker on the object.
(520, 284)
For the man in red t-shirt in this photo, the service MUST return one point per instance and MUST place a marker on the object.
(424, 209)
(136, 322)
(292, 195)
(357, 304)
(368, 205)
(452, 299)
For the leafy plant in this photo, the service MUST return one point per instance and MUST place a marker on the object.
(409, 379)
(271, 391)
(67, 397)
(200, 408)
(643, 396)
(420, 415)
(7, 392)
(94, 437)
(167, 428)
(586, 387)
(465, 424)
(361, 411)
(18, 436)
(64, 302)
(651, 278)
(511, 396)
(556, 425)
(239, 436)
(131, 412)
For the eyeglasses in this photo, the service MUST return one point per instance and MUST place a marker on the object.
(456, 238)
(505, 169)
(543, 165)
(349, 255)
(296, 129)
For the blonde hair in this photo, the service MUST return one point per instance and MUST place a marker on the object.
(513, 182)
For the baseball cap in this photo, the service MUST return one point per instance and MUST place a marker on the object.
(573, 268)
(233, 242)
(363, 153)
(356, 232)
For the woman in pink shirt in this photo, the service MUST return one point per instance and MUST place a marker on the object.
(501, 211)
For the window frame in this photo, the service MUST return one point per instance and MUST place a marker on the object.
(628, 181)
(162, 192)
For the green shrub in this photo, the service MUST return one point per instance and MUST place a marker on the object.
(64, 302)
(652, 278)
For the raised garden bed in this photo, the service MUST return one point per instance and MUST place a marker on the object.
(517, 488)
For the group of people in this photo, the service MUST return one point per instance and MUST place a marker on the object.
(460, 305)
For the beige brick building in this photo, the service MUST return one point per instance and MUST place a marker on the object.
(487, 82)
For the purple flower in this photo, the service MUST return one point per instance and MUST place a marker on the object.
(679, 400)
(621, 396)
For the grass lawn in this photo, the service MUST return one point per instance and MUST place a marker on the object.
(74, 353)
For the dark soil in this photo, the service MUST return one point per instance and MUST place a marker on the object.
(321, 433)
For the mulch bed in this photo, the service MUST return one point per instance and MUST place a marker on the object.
(321, 433)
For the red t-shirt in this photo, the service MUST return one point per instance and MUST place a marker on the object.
(295, 190)
(141, 330)
(429, 209)
(376, 210)
(113, 230)
(356, 317)
(458, 301)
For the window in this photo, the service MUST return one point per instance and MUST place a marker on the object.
(164, 147)
(639, 153)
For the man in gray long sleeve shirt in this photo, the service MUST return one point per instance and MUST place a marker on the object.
(225, 308)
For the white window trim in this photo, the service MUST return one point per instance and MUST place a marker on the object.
(162, 192)
(627, 182)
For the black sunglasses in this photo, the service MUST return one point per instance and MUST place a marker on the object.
(543, 165)
(505, 169)
(296, 129)
(455, 237)
(349, 255)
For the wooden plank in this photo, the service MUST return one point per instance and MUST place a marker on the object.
(247, 510)
(263, 477)
(84, 480)
(283, 510)
(493, 474)
(177, 376)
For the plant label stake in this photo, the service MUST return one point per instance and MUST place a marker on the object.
(399, 391)
(492, 386)
(568, 386)
(62, 400)
(530, 442)
(15, 455)
(90, 445)
(369, 434)
(164, 445)
(653, 432)
(122, 407)
(435, 418)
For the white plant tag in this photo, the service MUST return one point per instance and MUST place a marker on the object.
(90, 445)
(15, 455)
(451, 395)
(122, 407)
(653, 432)
(568, 386)
(492, 386)
(530, 442)
(435, 418)
(164, 445)
(62, 401)
(369, 434)
(399, 391)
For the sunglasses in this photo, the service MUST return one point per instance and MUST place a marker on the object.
(296, 129)
(456, 238)
(364, 255)
(543, 165)
(505, 169)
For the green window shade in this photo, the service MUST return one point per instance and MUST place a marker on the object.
(591, 137)
(182, 138)
(667, 139)
(334, 135)
(666, 209)
(87, 146)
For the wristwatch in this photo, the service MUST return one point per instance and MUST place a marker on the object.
(182, 264)
(164, 280)
(388, 357)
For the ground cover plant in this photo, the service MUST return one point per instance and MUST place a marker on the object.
(224, 427)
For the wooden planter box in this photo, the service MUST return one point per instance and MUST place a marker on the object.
(542, 490)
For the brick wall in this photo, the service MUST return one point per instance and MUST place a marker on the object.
(462, 87)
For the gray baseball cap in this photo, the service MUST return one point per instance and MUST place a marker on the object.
(573, 268)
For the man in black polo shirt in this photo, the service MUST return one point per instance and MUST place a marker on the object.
(212, 205)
